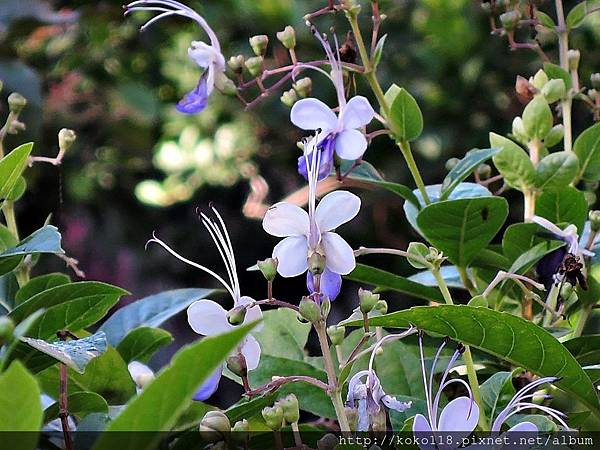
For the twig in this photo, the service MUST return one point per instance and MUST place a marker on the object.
(63, 411)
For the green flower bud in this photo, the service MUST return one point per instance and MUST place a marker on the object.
(328, 442)
(510, 19)
(273, 416)
(594, 217)
(381, 307)
(303, 87)
(325, 307)
(316, 263)
(268, 268)
(417, 251)
(254, 65)
(240, 432)
(236, 63)
(291, 409)
(451, 163)
(518, 130)
(336, 334)
(367, 300)
(288, 98)
(236, 316)
(554, 90)
(237, 364)
(309, 310)
(484, 171)
(16, 102)
(595, 80)
(224, 84)
(259, 44)
(214, 426)
(7, 327)
(554, 136)
(287, 37)
(66, 138)
(573, 57)
(539, 79)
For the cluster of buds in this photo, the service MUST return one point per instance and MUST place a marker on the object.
(215, 428)
(285, 410)
(314, 311)
(370, 302)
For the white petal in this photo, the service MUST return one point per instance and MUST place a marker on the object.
(524, 427)
(137, 370)
(339, 257)
(461, 414)
(547, 225)
(208, 318)
(203, 54)
(336, 208)
(292, 254)
(251, 351)
(350, 144)
(357, 113)
(252, 314)
(313, 114)
(285, 219)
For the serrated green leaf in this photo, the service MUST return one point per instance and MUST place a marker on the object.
(141, 343)
(587, 149)
(45, 240)
(513, 163)
(80, 405)
(556, 171)
(11, 168)
(566, 206)
(464, 167)
(406, 119)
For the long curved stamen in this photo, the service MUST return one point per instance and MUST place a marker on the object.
(313, 161)
(554, 413)
(443, 383)
(192, 263)
(337, 76)
(436, 401)
(534, 384)
(383, 340)
(425, 384)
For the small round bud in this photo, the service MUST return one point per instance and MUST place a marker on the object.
(451, 163)
(66, 138)
(240, 432)
(254, 65)
(594, 217)
(287, 37)
(554, 136)
(7, 327)
(417, 252)
(224, 84)
(259, 44)
(214, 426)
(16, 102)
(291, 409)
(484, 171)
(510, 19)
(316, 263)
(309, 310)
(288, 98)
(595, 80)
(236, 63)
(273, 416)
(554, 90)
(539, 79)
(268, 267)
(303, 87)
(518, 130)
(328, 442)
(336, 334)
(367, 300)
(237, 364)
(381, 307)
(236, 316)
(325, 307)
(573, 57)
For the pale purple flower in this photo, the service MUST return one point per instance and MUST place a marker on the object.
(208, 57)
(330, 284)
(340, 133)
(368, 395)
(459, 417)
(307, 233)
(209, 387)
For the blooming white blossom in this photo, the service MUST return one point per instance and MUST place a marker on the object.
(568, 235)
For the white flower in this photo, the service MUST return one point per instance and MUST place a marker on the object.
(568, 235)
(140, 373)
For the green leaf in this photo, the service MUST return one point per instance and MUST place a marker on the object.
(248, 408)
(150, 311)
(11, 168)
(513, 163)
(462, 228)
(496, 392)
(449, 274)
(586, 349)
(76, 354)
(508, 337)
(20, 408)
(399, 370)
(159, 405)
(463, 169)
(556, 171)
(283, 334)
(106, 375)
(537, 118)
(545, 20)
(44, 240)
(406, 119)
(141, 343)
(556, 72)
(379, 50)
(576, 15)
(40, 284)
(518, 238)
(387, 280)
(527, 260)
(567, 206)
(587, 149)
(7, 240)
(80, 405)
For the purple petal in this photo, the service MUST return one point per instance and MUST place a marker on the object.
(548, 266)
(210, 385)
(196, 100)
(331, 283)
(326, 147)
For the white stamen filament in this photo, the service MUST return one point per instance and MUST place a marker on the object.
(425, 384)
(502, 275)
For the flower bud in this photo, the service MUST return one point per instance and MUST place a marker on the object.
(288, 98)
(316, 263)
(214, 426)
(539, 79)
(287, 37)
(554, 90)
(7, 327)
(236, 63)
(268, 267)
(240, 432)
(328, 442)
(224, 84)
(303, 87)
(573, 57)
(273, 416)
(236, 316)
(309, 310)
(451, 163)
(594, 217)
(259, 44)
(510, 19)
(16, 102)
(525, 90)
(484, 171)
(417, 252)
(554, 136)
(291, 409)
(381, 307)
(595, 80)
(325, 307)
(254, 65)
(518, 130)
(336, 334)
(237, 364)
(367, 300)
(66, 138)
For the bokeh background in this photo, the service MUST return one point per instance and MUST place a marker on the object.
(138, 166)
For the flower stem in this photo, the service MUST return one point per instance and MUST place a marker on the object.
(551, 303)
(586, 311)
(563, 51)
